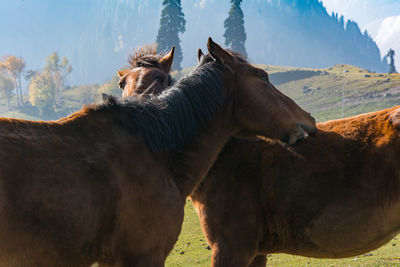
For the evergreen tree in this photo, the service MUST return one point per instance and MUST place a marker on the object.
(235, 35)
(390, 55)
(341, 22)
(172, 23)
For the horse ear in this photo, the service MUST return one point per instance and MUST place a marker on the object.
(166, 61)
(200, 55)
(219, 53)
(121, 73)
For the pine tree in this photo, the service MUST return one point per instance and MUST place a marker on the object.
(172, 23)
(341, 22)
(235, 35)
(390, 55)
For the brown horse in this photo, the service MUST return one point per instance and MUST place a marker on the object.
(334, 195)
(109, 183)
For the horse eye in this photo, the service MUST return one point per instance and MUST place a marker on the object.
(160, 79)
(122, 84)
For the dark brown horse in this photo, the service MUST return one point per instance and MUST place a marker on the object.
(334, 195)
(109, 183)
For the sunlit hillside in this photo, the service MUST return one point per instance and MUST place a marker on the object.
(322, 92)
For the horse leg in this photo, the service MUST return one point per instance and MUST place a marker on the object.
(151, 260)
(259, 261)
(231, 257)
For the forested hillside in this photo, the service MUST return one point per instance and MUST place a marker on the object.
(97, 36)
(302, 33)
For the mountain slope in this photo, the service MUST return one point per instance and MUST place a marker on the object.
(97, 36)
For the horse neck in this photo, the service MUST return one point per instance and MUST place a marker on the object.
(192, 163)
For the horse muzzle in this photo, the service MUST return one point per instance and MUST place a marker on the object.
(299, 133)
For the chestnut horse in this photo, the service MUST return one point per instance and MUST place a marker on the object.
(109, 182)
(331, 196)
(334, 195)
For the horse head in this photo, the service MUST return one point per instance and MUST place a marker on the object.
(149, 73)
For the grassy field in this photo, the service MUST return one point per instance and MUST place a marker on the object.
(323, 92)
(72, 101)
(192, 250)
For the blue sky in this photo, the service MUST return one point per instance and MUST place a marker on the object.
(364, 11)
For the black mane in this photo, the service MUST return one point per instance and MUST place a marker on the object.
(172, 119)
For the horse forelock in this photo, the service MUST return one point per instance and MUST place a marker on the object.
(146, 56)
(170, 120)
(145, 61)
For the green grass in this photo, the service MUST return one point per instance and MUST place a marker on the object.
(20, 115)
(191, 250)
(72, 101)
